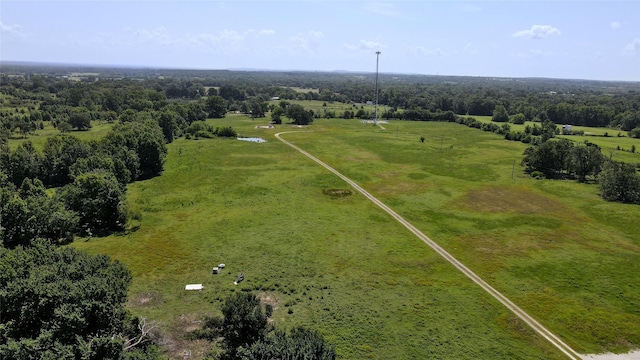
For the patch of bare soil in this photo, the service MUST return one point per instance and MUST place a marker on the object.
(176, 343)
(146, 299)
(268, 298)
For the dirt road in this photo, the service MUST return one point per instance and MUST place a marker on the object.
(536, 326)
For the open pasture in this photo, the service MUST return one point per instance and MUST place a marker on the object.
(614, 143)
(328, 259)
(39, 137)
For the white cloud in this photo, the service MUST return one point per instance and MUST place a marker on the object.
(532, 53)
(616, 25)
(364, 45)
(537, 32)
(266, 32)
(14, 30)
(225, 41)
(158, 36)
(420, 50)
(632, 48)
(306, 42)
(382, 8)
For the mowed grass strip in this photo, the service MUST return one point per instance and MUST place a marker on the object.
(553, 247)
(336, 264)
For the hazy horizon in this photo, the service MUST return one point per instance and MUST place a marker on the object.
(587, 40)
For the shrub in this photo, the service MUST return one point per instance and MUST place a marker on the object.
(537, 175)
(226, 132)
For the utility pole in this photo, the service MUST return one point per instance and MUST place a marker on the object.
(375, 118)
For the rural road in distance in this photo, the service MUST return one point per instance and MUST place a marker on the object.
(535, 325)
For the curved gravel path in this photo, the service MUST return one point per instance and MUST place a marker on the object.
(535, 325)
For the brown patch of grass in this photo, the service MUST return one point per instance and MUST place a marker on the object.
(521, 200)
(360, 156)
(176, 344)
(337, 193)
(268, 298)
(146, 299)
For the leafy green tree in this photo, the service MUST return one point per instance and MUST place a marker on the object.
(61, 304)
(256, 109)
(500, 114)
(299, 344)
(518, 119)
(64, 127)
(116, 146)
(244, 321)
(226, 131)
(24, 162)
(98, 200)
(216, 106)
(586, 160)
(619, 182)
(128, 115)
(145, 139)
(628, 120)
(552, 158)
(548, 129)
(276, 114)
(299, 115)
(635, 133)
(102, 163)
(60, 153)
(80, 119)
(200, 129)
(168, 122)
(31, 213)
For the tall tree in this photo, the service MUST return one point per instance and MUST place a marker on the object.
(24, 162)
(500, 114)
(216, 106)
(299, 115)
(80, 119)
(620, 182)
(244, 321)
(99, 201)
(60, 153)
(586, 160)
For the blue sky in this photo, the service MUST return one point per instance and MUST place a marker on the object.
(561, 39)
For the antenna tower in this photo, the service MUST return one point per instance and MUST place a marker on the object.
(375, 118)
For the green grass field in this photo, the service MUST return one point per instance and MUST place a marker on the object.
(39, 137)
(615, 144)
(341, 266)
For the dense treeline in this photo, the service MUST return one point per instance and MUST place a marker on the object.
(60, 303)
(588, 103)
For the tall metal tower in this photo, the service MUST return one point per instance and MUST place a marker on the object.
(375, 119)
